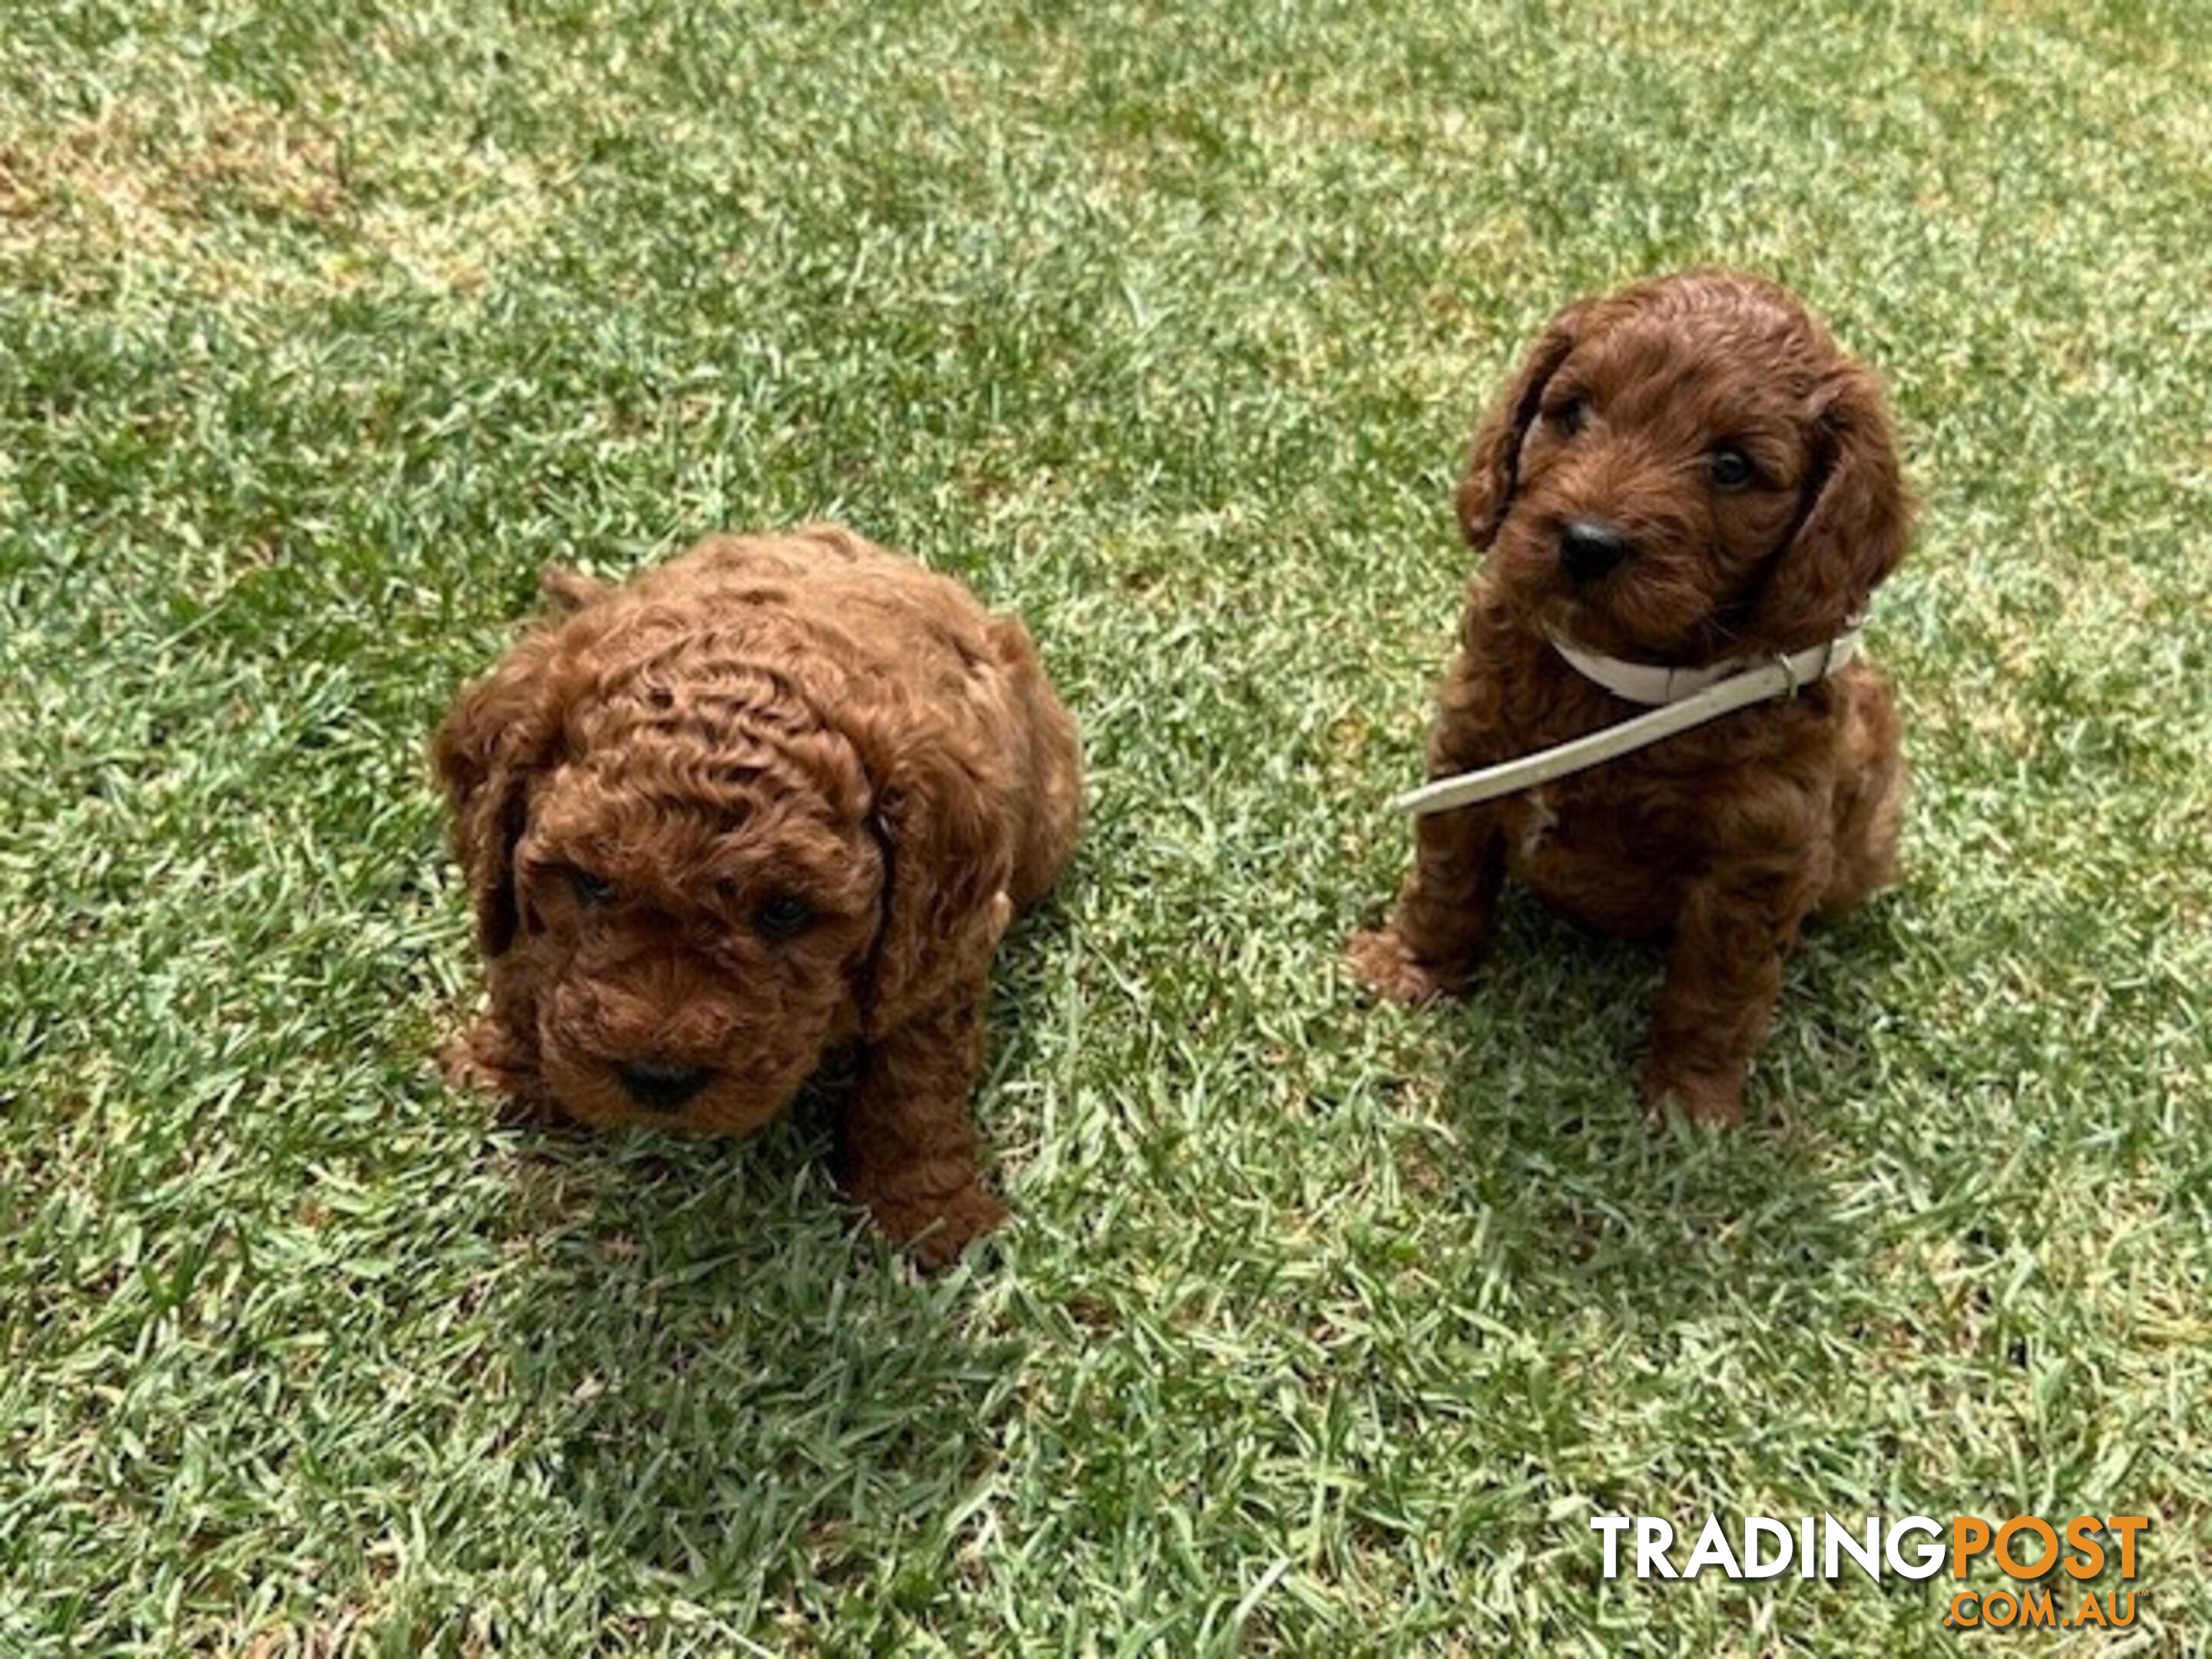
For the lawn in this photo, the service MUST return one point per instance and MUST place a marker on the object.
(1321, 1329)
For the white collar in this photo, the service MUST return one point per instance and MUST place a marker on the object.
(1686, 697)
(1655, 684)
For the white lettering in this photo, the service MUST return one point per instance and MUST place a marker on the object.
(1867, 1554)
(1755, 1528)
(1654, 1538)
(1712, 1550)
(1612, 1525)
(1929, 1561)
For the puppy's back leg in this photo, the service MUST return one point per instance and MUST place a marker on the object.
(1870, 800)
(1054, 763)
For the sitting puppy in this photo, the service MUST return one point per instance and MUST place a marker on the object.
(779, 795)
(1683, 474)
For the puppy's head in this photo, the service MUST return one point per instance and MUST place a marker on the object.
(697, 861)
(1687, 469)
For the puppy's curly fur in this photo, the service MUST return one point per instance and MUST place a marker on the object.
(1741, 469)
(778, 796)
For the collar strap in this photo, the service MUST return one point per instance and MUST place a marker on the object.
(1697, 696)
(1650, 683)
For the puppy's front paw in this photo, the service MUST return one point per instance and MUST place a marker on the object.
(457, 1063)
(486, 1061)
(482, 1059)
(1382, 962)
(1703, 1097)
(934, 1231)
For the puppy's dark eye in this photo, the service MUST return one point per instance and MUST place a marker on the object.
(783, 916)
(591, 890)
(1571, 417)
(1731, 468)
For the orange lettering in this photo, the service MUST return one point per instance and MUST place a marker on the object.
(1969, 1538)
(2080, 1535)
(2127, 1525)
(2011, 1529)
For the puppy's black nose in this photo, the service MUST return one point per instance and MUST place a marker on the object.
(1589, 547)
(661, 1085)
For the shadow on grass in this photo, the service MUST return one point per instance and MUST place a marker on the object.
(740, 1389)
(1593, 1206)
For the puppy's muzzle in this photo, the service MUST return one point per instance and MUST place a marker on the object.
(1590, 548)
(661, 1085)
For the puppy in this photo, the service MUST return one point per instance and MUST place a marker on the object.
(779, 796)
(1685, 473)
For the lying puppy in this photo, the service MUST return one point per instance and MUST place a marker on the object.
(1686, 473)
(779, 795)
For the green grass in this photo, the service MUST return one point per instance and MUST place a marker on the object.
(1321, 1328)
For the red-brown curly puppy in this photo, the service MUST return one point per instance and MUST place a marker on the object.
(778, 795)
(1687, 472)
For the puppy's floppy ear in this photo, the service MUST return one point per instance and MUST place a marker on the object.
(497, 736)
(570, 591)
(1487, 490)
(1853, 528)
(948, 858)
